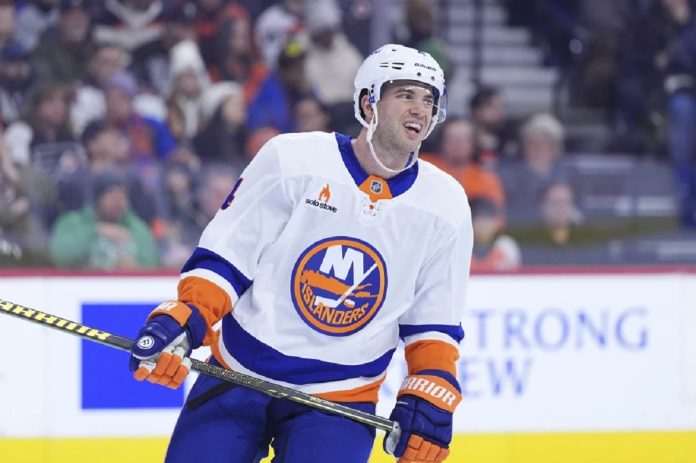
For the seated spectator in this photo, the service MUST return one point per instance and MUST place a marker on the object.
(257, 139)
(176, 123)
(311, 115)
(223, 134)
(16, 78)
(33, 19)
(106, 235)
(493, 250)
(211, 17)
(7, 23)
(183, 230)
(280, 91)
(236, 58)
(89, 104)
(130, 24)
(656, 66)
(458, 158)
(420, 34)
(189, 78)
(63, 49)
(560, 239)
(150, 140)
(151, 63)
(140, 27)
(676, 61)
(559, 213)
(217, 180)
(332, 61)
(44, 138)
(542, 164)
(682, 148)
(191, 205)
(494, 132)
(186, 154)
(276, 26)
(107, 151)
(22, 232)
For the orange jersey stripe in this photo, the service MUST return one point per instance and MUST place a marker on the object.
(212, 301)
(175, 309)
(366, 393)
(431, 355)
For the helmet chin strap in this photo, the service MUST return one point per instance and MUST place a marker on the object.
(413, 157)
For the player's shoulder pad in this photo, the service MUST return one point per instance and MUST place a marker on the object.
(441, 192)
(306, 153)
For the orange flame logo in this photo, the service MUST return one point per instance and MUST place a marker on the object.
(325, 194)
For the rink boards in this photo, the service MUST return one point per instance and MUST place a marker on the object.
(591, 366)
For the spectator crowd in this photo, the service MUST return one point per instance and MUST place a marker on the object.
(124, 125)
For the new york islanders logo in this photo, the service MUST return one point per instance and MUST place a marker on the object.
(338, 285)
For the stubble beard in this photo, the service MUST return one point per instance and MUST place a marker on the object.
(394, 150)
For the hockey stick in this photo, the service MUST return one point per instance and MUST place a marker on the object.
(240, 379)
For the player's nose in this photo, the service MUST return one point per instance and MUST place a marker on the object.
(418, 108)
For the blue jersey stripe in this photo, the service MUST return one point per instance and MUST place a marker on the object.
(206, 259)
(397, 184)
(265, 360)
(455, 332)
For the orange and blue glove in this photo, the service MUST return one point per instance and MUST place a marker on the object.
(424, 408)
(160, 353)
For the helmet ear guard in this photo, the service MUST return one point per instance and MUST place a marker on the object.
(359, 112)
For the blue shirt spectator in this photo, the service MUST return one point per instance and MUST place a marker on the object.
(280, 91)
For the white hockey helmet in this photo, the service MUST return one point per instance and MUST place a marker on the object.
(396, 62)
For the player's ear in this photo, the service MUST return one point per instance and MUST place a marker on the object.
(365, 106)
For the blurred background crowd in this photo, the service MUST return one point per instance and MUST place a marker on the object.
(125, 123)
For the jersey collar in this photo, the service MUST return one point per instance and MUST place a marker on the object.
(397, 185)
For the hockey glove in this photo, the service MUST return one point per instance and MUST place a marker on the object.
(424, 408)
(160, 353)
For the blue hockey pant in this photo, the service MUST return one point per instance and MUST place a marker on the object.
(223, 423)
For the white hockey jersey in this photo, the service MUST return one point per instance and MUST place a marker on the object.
(327, 267)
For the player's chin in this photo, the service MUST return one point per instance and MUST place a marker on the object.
(412, 145)
(411, 141)
(412, 136)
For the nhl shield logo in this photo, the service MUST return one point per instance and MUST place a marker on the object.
(376, 187)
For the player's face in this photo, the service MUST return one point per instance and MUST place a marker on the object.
(405, 111)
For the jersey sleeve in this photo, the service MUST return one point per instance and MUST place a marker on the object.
(431, 329)
(252, 217)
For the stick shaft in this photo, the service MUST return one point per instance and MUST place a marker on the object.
(240, 379)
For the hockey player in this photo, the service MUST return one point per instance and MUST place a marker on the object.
(326, 252)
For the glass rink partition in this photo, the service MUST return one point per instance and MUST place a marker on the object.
(571, 365)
